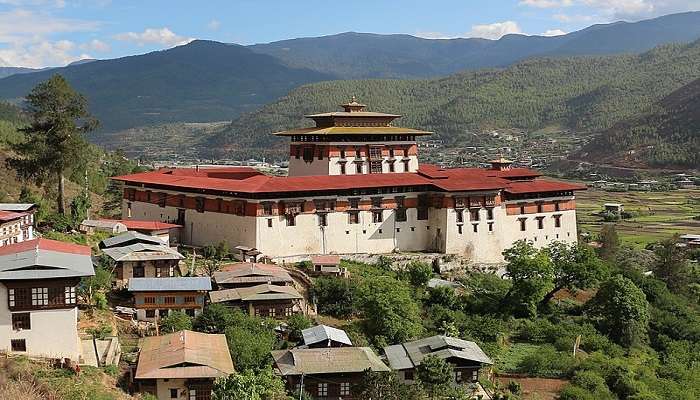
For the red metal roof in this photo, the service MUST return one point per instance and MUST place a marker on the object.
(542, 185)
(141, 225)
(451, 180)
(47, 245)
(9, 215)
(325, 259)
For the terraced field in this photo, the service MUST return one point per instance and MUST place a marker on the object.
(657, 215)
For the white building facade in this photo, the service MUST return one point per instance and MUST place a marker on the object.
(355, 186)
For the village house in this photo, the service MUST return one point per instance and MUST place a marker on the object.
(16, 222)
(321, 336)
(265, 300)
(355, 185)
(247, 274)
(92, 226)
(466, 357)
(326, 373)
(182, 365)
(615, 208)
(155, 298)
(140, 256)
(168, 233)
(38, 297)
(328, 264)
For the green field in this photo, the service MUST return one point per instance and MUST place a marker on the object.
(657, 215)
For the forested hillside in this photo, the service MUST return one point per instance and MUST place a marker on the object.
(667, 136)
(587, 94)
(364, 55)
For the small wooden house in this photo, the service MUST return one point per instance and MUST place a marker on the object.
(327, 265)
(248, 274)
(156, 297)
(321, 336)
(266, 300)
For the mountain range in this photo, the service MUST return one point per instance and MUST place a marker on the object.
(207, 81)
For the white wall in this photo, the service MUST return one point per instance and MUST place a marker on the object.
(163, 389)
(53, 333)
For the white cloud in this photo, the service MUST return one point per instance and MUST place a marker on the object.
(96, 45)
(553, 32)
(42, 53)
(495, 30)
(214, 25)
(433, 35)
(32, 3)
(546, 3)
(162, 36)
(634, 10)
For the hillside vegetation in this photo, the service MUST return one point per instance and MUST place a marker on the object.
(667, 136)
(588, 94)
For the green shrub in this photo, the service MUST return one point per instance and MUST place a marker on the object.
(100, 301)
(176, 321)
(548, 363)
(335, 296)
(572, 392)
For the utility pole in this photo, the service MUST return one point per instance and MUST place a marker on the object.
(301, 387)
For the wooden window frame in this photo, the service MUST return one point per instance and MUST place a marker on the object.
(18, 345)
(21, 321)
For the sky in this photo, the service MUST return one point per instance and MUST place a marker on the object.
(41, 33)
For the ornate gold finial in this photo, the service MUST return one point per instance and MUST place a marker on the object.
(354, 99)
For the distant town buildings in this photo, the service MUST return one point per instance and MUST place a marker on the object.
(16, 222)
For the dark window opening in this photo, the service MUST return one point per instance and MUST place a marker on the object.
(323, 219)
(460, 216)
(342, 169)
(162, 199)
(150, 313)
(269, 222)
(405, 165)
(522, 224)
(540, 223)
(139, 272)
(474, 215)
(358, 168)
(173, 394)
(490, 226)
(308, 154)
(489, 213)
(377, 216)
(391, 167)
(475, 227)
(376, 167)
(291, 219)
(342, 153)
(18, 345)
(459, 229)
(21, 321)
(199, 203)
(354, 217)
(557, 206)
(557, 221)
(401, 215)
(540, 207)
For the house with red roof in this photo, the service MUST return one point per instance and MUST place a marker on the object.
(16, 225)
(355, 185)
(38, 297)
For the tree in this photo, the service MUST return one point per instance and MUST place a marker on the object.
(435, 374)
(214, 319)
(297, 323)
(621, 310)
(250, 340)
(532, 274)
(671, 263)
(79, 207)
(575, 267)
(54, 142)
(392, 315)
(176, 321)
(419, 273)
(385, 386)
(335, 296)
(609, 241)
(98, 283)
(250, 385)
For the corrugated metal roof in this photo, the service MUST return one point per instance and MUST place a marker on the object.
(130, 237)
(354, 130)
(169, 284)
(142, 252)
(10, 215)
(252, 272)
(101, 223)
(410, 354)
(322, 333)
(44, 258)
(134, 224)
(255, 293)
(327, 361)
(184, 354)
(325, 259)
(16, 206)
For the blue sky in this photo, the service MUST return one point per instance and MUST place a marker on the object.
(39, 33)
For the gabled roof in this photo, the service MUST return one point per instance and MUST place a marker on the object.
(184, 354)
(127, 238)
(17, 206)
(10, 215)
(142, 225)
(185, 283)
(251, 273)
(352, 130)
(329, 360)
(43, 259)
(104, 223)
(328, 259)
(143, 252)
(410, 354)
(323, 333)
(255, 293)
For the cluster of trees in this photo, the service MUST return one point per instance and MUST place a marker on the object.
(531, 95)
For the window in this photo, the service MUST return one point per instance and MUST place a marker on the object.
(173, 393)
(21, 321)
(320, 153)
(299, 387)
(422, 213)
(190, 312)
(358, 168)
(376, 202)
(199, 204)
(522, 208)
(459, 229)
(405, 165)
(189, 299)
(322, 390)
(375, 152)
(474, 215)
(342, 169)
(138, 272)
(308, 154)
(408, 374)
(475, 375)
(40, 296)
(557, 221)
(291, 219)
(458, 376)
(158, 272)
(354, 217)
(295, 150)
(288, 312)
(391, 153)
(169, 300)
(272, 312)
(149, 300)
(269, 222)
(69, 295)
(150, 313)
(354, 203)
(18, 345)
(162, 313)
(475, 228)
(131, 194)
(377, 216)
(489, 213)
(540, 222)
(267, 208)
(490, 226)
(391, 166)
(345, 388)
(460, 216)
(342, 153)
(323, 219)
(375, 167)
(401, 215)
(522, 224)
(357, 153)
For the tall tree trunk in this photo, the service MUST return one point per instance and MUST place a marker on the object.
(61, 205)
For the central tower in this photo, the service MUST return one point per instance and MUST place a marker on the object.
(352, 142)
